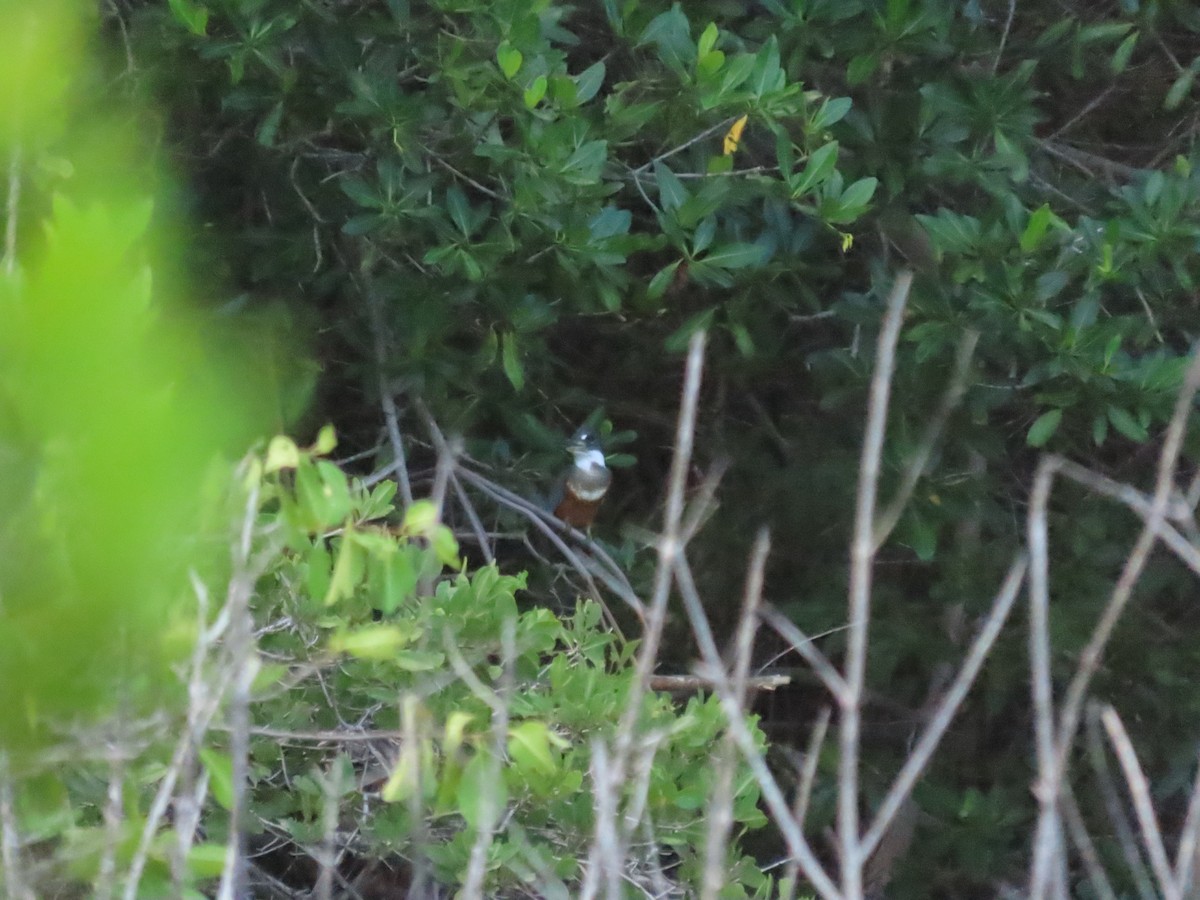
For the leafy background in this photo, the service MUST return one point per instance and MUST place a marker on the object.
(519, 212)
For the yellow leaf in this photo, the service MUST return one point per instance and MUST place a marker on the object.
(733, 136)
(847, 241)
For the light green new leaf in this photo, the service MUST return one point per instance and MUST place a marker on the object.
(219, 767)
(1043, 428)
(536, 91)
(509, 59)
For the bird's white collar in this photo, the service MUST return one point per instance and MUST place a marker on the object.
(589, 459)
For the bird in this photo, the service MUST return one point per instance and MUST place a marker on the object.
(586, 481)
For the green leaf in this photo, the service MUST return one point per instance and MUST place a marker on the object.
(735, 256)
(1043, 428)
(509, 59)
(1127, 424)
(708, 39)
(832, 111)
(1120, 58)
(1180, 89)
(481, 794)
(536, 91)
(609, 222)
(326, 441)
(585, 164)
(922, 537)
(859, 194)
(766, 76)
(282, 453)
(219, 766)
(529, 747)
(662, 280)
(371, 641)
(819, 167)
(459, 209)
(861, 68)
(678, 341)
(347, 571)
(707, 65)
(671, 33)
(192, 16)
(420, 518)
(1039, 221)
(206, 860)
(265, 136)
(588, 82)
(360, 192)
(718, 165)
(510, 360)
(671, 192)
(445, 546)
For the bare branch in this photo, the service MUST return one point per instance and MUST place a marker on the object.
(862, 554)
(240, 663)
(808, 777)
(1139, 791)
(921, 754)
(933, 431)
(1048, 838)
(803, 644)
(1189, 838)
(1121, 826)
(1089, 660)
(1083, 843)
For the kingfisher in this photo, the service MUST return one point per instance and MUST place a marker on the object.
(586, 481)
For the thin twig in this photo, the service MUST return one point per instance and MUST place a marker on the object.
(933, 431)
(693, 684)
(391, 415)
(803, 645)
(919, 758)
(239, 662)
(445, 451)
(1113, 805)
(483, 189)
(1089, 659)
(862, 554)
(808, 778)
(708, 132)
(721, 800)
(536, 516)
(1083, 843)
(10, 839)
(1189, 836)
(669, 550)
(488, 811)
(1140, 503)
(1095, 101)
(1139, 791)
(611, 573)
(1012, 11)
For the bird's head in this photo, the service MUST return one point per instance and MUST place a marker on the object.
(584, 446)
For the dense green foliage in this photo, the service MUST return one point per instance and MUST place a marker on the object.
(517, 213)
(538, 197)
